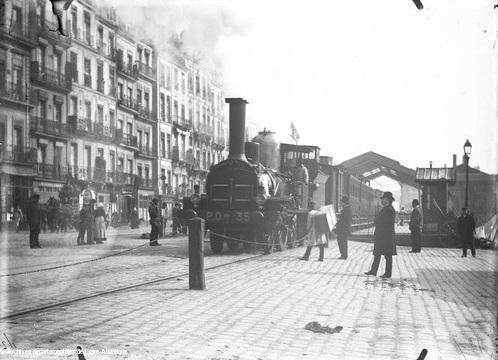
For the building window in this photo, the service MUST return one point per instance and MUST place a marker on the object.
(163, 145)
(177, 80)
(139, 170)
(58, 112)
(88, 35)
(139, 136)
(139, 97)
(162, 107)
(100, 114)
(74, 105)
(88, 73)
(146, 100)
(74, 22)
(168, 108)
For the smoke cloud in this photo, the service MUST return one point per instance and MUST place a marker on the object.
(197, 25)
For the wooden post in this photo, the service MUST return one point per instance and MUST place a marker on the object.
(196, 278)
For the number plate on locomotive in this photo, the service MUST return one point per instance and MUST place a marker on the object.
(228, 217)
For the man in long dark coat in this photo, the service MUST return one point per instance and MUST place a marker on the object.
(34, 215)
(155, 222)
(415, 224)
(466, 226)
(384, 236)
(343, 227)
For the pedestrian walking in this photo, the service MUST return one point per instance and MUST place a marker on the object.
(82, 225)
(343, 227)
(100, 224)
(18, 216)
(90, 223)
(384, 243)
(465, 227)
(316, 235)
(155, 222)
(415, 227)
(34, 218)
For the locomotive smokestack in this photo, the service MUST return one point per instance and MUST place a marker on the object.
(237, 116)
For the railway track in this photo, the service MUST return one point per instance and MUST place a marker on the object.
(113, 291)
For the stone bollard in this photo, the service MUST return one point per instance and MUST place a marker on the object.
(196, 278)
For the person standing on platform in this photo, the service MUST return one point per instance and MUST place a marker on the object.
(315, 236)
(155, 222)
(384, 243)
(17, 217)
(90, 223)
(82, 226)
(100, 219)
(34, 218)
(465, 227)
(343, 227)
(415, 226)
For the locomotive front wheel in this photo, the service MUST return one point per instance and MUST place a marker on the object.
(216, 243)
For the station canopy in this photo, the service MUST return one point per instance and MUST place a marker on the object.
(371, 165)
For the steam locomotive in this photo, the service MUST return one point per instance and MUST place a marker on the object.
(262, 192)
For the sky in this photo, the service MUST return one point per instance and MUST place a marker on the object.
(353, 75)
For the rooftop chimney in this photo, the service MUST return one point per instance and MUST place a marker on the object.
(237, 117)
(454, 160)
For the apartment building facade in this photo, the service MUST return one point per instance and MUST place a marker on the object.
(17, 40)
(100, 110)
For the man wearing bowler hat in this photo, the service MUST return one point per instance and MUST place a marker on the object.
(384, 243)
(343, 227)
(415, 224)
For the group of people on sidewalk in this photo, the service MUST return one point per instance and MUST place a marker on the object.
(384, 241)
(94, 222)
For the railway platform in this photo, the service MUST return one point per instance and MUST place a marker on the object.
(254, 307)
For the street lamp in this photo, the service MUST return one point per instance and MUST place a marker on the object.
(467, 149)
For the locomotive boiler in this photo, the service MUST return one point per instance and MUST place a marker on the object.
(246, 201)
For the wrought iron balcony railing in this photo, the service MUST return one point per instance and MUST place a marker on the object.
(49, 78)
(51, 127)
(13, 91)
(18, 154)
(145, 70)
(129, 103)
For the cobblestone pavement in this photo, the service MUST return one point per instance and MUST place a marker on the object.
(257, 309)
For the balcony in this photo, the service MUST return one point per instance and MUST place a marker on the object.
(145, 113)
(23, 35)
(144, 70)
(14, 94)
(49, 127)
(94, 131)
(128, 104)
(50, 30)
(49, 78)
(144, 150)
(182, 123)
(52, 171)
(120, 178)
(142, 182)
(126, 139)
(126, 69)
(14, 153)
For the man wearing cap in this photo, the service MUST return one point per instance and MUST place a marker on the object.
(155, 222)
(384, 243)
(343, 227)
(33, 215)
(415, 224)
